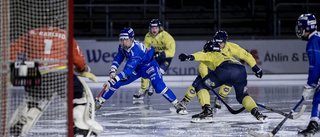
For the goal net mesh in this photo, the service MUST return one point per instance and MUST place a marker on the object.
(34, 31)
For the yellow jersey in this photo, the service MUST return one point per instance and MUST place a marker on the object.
(162, 42)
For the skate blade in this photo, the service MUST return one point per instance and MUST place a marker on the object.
(138, 98)
(183, 112)
(205, 120)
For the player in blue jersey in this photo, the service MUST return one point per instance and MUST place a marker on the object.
(140, 63)
(306, 29)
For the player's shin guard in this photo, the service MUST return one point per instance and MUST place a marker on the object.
(203, 97)
(84, 113)
(28, 114)
(252, 107)
(223, 92)
(190, 94)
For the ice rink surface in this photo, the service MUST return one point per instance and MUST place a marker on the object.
(154, 116)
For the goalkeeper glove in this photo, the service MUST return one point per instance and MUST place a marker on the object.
(257, 71)
(308, 91)
(186, 57)
(86, 72)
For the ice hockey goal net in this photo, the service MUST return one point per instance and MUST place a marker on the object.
(35, 32)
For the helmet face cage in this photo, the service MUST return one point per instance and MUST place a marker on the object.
(126, 33)
(220, 36)
(211, 46)
(305, 23)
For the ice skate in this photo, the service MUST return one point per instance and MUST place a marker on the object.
(140, 94)
(310, 130)
(255, 112)
(217, 103)
(205, 116)
(150, 91)
(180, 109)
(184, 103)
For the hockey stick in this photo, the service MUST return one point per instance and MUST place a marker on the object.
(229, 108)
(275, 130)
(105, 87)
(303, 108)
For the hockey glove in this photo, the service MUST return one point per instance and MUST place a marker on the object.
(159, 56)
(110, 82)
(112, 72)
(257, 71)
(86, 72)
(308, 91)
(186, 57)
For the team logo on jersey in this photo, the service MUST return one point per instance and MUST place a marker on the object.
(226, 89)
(192, 91)
(209, 83)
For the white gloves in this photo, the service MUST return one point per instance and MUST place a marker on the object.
(308, 91)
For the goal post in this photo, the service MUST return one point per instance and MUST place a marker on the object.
(34, 37)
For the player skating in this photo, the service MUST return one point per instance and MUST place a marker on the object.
(140, 63)
(165, 47)
(225, 69)
(48, 43)
(229, 49)
(306, 29)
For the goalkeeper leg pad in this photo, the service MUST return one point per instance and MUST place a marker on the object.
(84, 114)
(27, 115)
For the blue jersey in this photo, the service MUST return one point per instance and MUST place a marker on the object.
(313, 51)
(137, 55)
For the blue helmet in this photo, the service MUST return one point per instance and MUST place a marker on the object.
(126, 33)
(155, 23)
(305, 23)
(220, 36)
(211, 46)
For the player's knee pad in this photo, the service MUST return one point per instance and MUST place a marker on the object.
(203, 97)
(84, 114)
(224, 91)
(191, 93)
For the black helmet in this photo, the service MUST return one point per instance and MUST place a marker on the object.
(220, 36)
(211, 46)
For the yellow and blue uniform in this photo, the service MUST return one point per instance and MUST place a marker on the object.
(230, 49)
(225, 69)
(165, 47)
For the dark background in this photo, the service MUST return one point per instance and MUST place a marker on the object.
(191, 19)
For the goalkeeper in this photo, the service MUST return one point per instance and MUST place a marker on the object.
(48, 43)
(229, 49)
(165, 47)
(225, 69)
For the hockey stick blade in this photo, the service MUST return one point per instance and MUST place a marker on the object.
(228, 107)
(255, 134)
(303, 108)
(276, 129)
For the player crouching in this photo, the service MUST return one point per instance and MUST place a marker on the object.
(225, 69)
